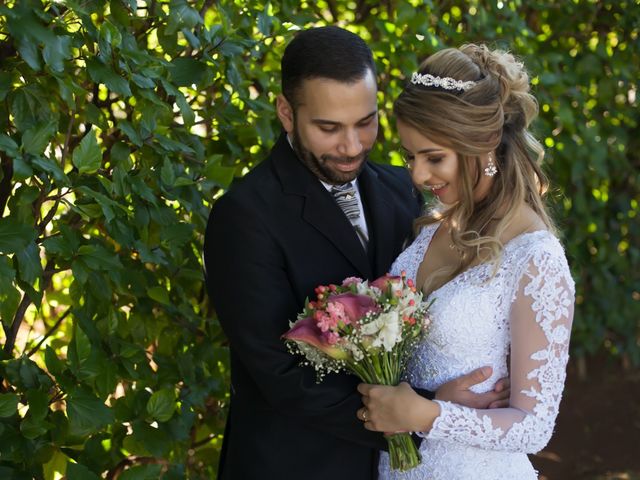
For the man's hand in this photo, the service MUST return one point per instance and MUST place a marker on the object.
(457, 391)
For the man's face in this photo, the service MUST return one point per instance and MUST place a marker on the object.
(334, 126)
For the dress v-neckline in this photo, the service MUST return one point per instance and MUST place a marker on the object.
(431, 233)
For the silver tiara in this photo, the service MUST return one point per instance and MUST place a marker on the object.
(446, 83)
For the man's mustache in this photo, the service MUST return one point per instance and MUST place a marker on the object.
(345, 160)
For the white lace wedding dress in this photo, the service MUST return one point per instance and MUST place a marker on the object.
(478, 318)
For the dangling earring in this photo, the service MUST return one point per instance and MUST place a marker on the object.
(491, 169)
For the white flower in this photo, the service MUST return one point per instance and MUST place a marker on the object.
(363, 288)
(387, 329)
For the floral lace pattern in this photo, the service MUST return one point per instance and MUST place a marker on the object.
(525, 309)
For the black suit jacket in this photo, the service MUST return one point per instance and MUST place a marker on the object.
(270, 240)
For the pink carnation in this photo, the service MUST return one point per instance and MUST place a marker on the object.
(325, 322)
(347, 282)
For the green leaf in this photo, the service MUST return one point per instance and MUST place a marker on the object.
(177, 234)
(29, 262)
(51, 166)
(36, 139)
(99, 258)
(102, 74)
(15, 236)
(265, 21)
(120, 155)
(154, 440)
(87, 156)
(21, 170)
(38, 401)
(8, 145)
(7, 273)
(56, 466)
(56, 51)
(187, 71)
(159, 294)
(29, 53)
(54, 364)
(6, 79)
(182, 15)
(9, 300)
(185, 110)
(220, 175)
(130, 132)
(87, 413)
(82, 345)
(8, 404)
(33, 428)
(167, 174)
(162, 405)
(77, 471)
(142, 81)
(106, 204)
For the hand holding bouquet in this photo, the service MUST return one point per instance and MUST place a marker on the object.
(368, 329)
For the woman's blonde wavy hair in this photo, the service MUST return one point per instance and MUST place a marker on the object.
(493, 115)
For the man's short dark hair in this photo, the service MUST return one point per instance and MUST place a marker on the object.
(324, 52)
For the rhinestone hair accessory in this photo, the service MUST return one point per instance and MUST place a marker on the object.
(446, 83)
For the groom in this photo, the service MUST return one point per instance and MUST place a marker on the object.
(282, 231)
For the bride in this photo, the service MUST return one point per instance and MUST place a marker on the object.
(488, 255)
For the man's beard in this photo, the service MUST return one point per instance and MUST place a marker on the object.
(318, 165)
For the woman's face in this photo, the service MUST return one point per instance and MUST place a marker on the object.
(436, 168)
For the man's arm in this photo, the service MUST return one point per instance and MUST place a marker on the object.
(458, 391)
(249, 286)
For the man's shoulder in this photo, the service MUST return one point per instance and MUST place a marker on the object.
(396, 178)
(390, 171)
(254, 181)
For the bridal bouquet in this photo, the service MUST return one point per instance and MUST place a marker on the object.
(367, 328)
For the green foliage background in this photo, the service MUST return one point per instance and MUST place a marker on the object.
(121, 122)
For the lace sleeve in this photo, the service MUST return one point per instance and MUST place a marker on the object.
(540, 324)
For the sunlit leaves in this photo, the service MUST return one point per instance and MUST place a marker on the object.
(88, 156)
(101, 73)
(8, 404)
(35, 139)
(187, 71)
(14, 236)
(162, 405)
(87, 413)
(133, 117)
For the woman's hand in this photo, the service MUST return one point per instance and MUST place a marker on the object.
(396, 409)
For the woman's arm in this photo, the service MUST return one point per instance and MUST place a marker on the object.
(540, 322)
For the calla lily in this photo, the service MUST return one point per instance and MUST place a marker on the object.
(355, 306)
(307, 331)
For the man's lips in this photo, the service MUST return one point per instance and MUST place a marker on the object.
(348, 166)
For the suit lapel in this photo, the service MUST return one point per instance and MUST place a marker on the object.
(320, 209)
(379, 206)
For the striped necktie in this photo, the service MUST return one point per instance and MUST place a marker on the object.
(347, 200)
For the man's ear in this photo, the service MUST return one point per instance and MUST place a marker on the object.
(285, 113)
